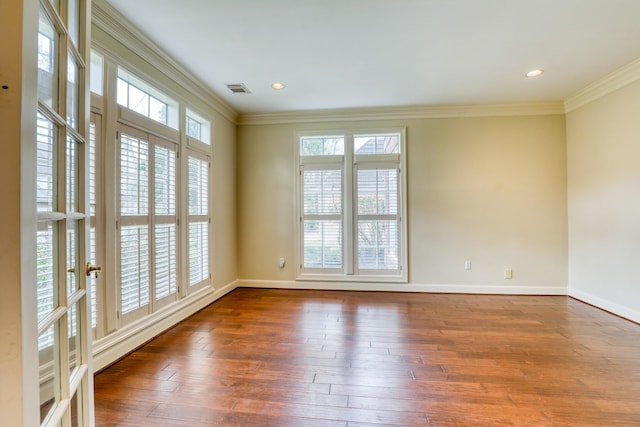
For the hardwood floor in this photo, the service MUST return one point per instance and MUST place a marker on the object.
(365, 359)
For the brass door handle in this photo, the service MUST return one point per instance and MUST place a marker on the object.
(91, 268)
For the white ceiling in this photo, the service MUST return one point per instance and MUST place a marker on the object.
(379, 53)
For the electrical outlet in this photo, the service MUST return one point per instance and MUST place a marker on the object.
(467, 265)
(508, 273)
(281, 262)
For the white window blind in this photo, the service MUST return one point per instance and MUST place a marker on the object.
(198, 219)
(134, 176)
(134, 267)
(93, 201)
(322, 218)
(148, 216)
(134, 230)
(378, 220)
(166, 277)
(165, 260)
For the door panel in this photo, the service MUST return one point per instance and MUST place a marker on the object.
(63, 344)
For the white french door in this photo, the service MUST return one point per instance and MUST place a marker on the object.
(64, 345)
(147, 220)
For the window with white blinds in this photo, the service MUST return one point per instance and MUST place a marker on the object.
(166, 276)
(377, 219)
(147, 220)
(149, 192)
(198, 218)
(322, 217)
(352, 194)
(134, 223)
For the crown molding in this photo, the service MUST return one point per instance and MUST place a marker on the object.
(110, 20)
(604, 86)
(404, 113)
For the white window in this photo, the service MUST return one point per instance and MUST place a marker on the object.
(147, 217)
(351, 203)
(151, 228)
(97, 73)
(137, 95)
(198, 128)
(198, 218)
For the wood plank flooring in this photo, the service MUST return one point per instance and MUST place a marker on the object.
(362, 359)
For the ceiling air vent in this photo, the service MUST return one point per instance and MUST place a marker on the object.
(238, 88)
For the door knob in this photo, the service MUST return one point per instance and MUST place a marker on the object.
(91, 268)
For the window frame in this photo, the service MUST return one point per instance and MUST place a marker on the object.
(115, 115)
(204, 143)
(151, 219)
(172, 106)
(65, 361)
(350, 163)
(189, 153)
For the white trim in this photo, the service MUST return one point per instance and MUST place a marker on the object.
(110, 20)
(604, 304)
(137, 122)
(604, 86)
(413, 287)
(404, 113)
(125, 340)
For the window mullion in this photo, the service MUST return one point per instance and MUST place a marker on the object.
(151, 202)
(348, 211)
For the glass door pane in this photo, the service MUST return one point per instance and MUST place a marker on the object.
(73, 18)
(47, 61)
(47, 274)
(72, 92)
(94, 215)
(46, 151)
(62, 216)
(75, 339)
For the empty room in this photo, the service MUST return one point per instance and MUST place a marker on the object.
(349, 213)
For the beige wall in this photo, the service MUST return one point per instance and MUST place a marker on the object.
(225, 268)
(488, 190)
(603, 146)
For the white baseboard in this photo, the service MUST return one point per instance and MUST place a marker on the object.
(404, 287)
(116, 345)
(612, 307)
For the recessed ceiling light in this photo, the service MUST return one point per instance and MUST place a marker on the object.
(277, 86)
(534, 73)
